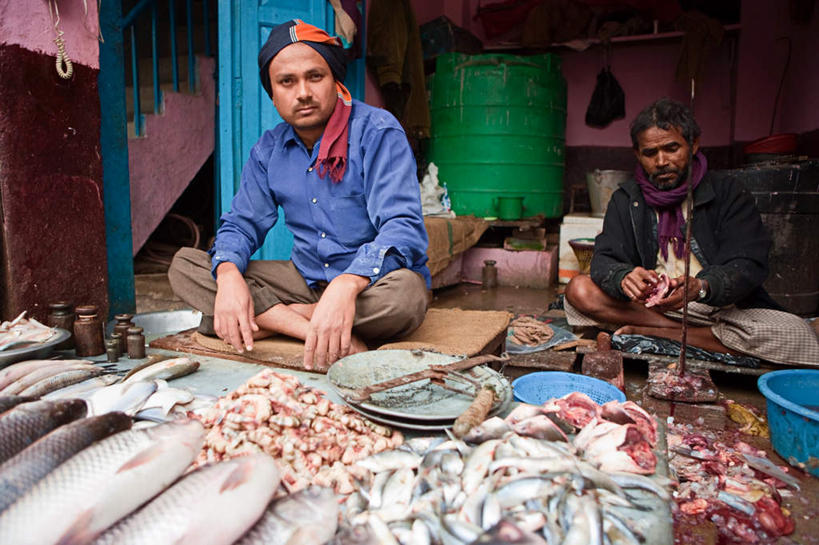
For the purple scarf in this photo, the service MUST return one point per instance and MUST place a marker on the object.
(668, 205)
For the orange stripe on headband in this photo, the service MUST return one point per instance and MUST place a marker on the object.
(302, 31)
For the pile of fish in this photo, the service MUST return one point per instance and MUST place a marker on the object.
(69, 479)
(22, 331)
(312, 438)
(514, 480)
(731, 484)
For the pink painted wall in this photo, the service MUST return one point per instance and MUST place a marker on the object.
(761, 62)
(646, 71)
(28, 24)
(163, 163)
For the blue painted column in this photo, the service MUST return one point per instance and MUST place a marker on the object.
(114, 145)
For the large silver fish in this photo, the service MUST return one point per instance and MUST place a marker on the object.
(22, 471)
(42, 372)
(307, 517)
(101, 484)
(84, 389)
(165, 370)
(213, 505)
(61, 380)
(17, 370)
(27, 422)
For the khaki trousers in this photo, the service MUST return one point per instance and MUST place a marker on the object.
(392, 307)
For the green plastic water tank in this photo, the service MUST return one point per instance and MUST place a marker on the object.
(498, 130)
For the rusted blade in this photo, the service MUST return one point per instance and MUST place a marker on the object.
(359, 395)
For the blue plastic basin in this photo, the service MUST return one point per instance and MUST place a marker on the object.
(541, 386)
(793, 400)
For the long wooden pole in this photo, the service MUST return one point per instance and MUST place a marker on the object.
(689, 217)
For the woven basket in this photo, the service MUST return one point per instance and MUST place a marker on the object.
(583, 250)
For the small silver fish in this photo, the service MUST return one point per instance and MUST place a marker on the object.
(390, 460)
(506, 532)
(491, 428)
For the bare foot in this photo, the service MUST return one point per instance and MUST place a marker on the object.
(262, 334)
(357, 345)
(625, 330)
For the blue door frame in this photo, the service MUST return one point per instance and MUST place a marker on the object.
(116, 186)
(244, 109)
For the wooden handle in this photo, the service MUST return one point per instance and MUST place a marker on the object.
(475, 413)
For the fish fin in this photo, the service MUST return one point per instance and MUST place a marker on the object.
(80, 531)
(143, 457)
(238, 476)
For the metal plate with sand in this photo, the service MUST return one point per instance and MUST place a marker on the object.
(418, 401)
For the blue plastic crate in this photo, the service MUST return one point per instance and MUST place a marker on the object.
(793, 414)
(539, 387)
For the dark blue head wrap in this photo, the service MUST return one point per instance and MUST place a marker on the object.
(281, 36)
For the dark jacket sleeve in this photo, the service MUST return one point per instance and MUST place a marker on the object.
(740, 265)
(615, 250)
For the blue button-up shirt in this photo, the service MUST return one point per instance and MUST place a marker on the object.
(368, 224)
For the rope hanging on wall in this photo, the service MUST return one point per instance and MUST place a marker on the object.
(65, 68)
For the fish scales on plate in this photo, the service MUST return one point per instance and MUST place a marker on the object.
(313, 439)
(101, 484)
(509, 487)
(27, 422)
(213, 505)
(23, 470)
(724, 479)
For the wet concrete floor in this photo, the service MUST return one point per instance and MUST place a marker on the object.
(154, 294)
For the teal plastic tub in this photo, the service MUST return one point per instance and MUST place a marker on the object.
(793, 415)
(541, 386)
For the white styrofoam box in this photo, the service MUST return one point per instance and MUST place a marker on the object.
(574, 226)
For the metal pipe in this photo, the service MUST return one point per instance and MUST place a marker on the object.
(129, 19)
(191, 59)
(155, 57)
(174, 60)
(135, 79)
(206, 25)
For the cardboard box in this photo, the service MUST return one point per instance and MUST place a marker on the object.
(574, 226)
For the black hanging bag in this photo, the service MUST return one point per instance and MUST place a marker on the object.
(608, 102)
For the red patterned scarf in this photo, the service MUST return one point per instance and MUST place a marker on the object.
(332, 156)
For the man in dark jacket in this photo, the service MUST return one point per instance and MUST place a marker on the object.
(641, 250)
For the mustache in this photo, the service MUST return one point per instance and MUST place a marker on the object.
(306, 104)
(663, 172)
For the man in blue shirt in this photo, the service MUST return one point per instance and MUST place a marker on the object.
(344, 174)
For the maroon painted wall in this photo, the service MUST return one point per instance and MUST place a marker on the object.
(52, 227)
